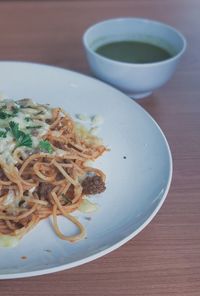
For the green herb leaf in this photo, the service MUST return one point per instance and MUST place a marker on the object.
(45, 146)
(3, 134)
(21, 138)
(8, 113)
(27, 119)
(4, 115)
(24, 140)
(34, 126)
(14, 127)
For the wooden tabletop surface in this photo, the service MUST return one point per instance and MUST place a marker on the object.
(164, 259)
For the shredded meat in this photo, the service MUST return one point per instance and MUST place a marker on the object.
(93, 185)
(61, 146)
(25, 221)
(1, 174)
(70, 192)
(44, 189)
(48, 121)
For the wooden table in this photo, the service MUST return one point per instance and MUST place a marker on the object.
(164, 259)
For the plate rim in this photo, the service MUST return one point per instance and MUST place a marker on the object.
(120, 243)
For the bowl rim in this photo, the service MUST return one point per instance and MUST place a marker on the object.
(171, 59)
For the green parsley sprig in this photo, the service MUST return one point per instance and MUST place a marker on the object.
(3, 134)
(21, 138)
(45, 146)
(4, 114)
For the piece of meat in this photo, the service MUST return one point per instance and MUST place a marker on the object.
(44, 189)
(48, 121)
(1, 174)
(68, 196)
(93, 185)
(70, 192)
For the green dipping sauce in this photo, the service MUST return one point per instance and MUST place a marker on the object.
(133, 52)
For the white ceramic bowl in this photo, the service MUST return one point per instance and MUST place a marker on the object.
(136, 80)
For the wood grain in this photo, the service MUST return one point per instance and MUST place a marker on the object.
(165, 258)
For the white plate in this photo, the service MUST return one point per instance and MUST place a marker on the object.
(136, 186)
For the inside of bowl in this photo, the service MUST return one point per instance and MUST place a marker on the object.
(147, 31)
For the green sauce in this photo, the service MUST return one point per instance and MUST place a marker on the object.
(133, 52)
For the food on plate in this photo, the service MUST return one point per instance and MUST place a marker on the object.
(44, 169)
